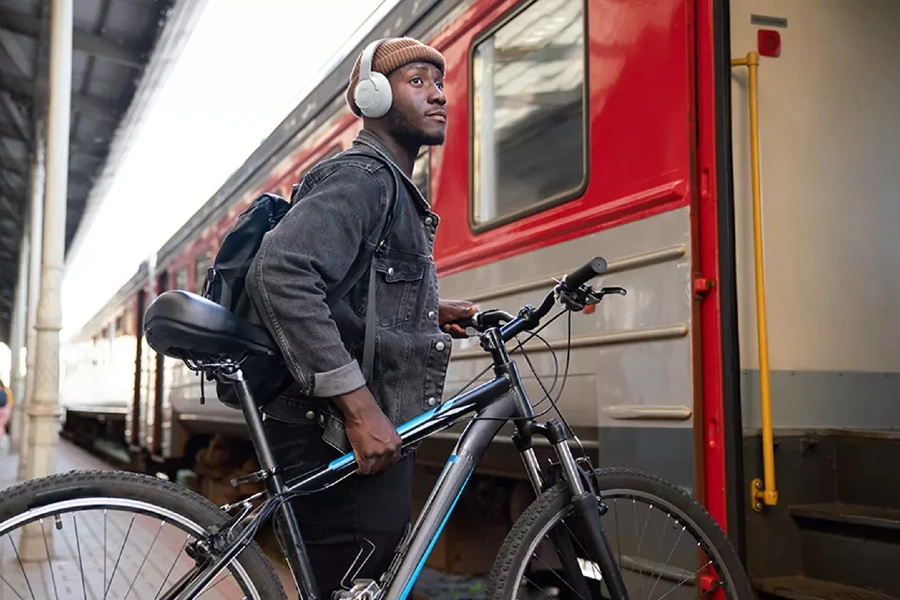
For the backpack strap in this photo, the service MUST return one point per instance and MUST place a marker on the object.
(368, 361)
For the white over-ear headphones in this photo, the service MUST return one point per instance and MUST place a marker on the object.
(372, 93)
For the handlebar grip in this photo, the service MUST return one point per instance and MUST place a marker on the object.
(583, 274)
(466, 322)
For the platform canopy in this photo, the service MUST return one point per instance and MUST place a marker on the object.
(122, 50)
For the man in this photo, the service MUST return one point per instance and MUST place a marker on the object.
(329, 408)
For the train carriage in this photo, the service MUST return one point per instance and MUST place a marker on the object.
(604, 127)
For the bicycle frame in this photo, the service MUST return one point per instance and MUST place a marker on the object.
(495, 403)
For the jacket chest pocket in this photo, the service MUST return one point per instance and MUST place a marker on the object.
(397, 284)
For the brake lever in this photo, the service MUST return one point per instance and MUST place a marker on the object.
(587, 296)
(594, 297)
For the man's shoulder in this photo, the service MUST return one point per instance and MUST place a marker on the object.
(354, 169)
(352, 159)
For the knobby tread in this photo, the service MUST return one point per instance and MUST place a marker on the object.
(556, 498)
(122, 484)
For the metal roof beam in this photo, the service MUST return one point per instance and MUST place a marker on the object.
(76, 178)
(114, 50)
(80, 102)
(11, 133)
(20, 122)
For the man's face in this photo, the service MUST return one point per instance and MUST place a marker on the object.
(417, 114)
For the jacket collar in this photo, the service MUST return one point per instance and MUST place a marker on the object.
(368, 138)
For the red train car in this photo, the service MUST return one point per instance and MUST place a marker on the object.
(603, 127)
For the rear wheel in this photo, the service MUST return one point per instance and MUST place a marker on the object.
(113, 534)
(528, 566)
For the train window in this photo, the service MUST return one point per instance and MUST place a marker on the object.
(421, 175)
(204, 259)
(528, 113)
(181, 279)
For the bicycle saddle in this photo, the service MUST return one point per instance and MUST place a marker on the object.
(181, 324)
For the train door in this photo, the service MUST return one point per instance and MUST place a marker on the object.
(156, 420)
(578, 130)
(819, 342)
(134, 436)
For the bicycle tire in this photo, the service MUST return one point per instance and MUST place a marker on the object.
(163, 494)
(511, 557)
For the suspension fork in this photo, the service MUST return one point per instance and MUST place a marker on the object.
(585, 503)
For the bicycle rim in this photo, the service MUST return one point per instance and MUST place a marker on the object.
(60, 543)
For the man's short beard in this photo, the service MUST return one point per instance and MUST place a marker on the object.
(404, 132)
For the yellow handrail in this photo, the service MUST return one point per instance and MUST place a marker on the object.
(761, 492)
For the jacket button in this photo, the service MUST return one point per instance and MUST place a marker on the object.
(432, 401)
(439, 346)
(430, 314)
(390, 270)
(310, 415)
(429, 220)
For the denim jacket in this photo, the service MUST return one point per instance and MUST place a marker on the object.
(334, 226)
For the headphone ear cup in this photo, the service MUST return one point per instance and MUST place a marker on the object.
(373, 96)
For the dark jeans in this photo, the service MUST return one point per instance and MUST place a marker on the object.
(362, 514)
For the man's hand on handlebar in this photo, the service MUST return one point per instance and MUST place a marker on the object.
(451, 312)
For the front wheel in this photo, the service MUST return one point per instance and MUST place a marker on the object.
(678, 552)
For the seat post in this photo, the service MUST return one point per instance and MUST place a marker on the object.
(294, 548)
(253, 420)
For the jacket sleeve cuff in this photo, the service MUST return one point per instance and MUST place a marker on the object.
(336, 382)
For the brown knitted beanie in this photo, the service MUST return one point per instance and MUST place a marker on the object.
(391, 55)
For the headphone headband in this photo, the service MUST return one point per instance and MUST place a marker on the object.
(365, 64)
(372, 93)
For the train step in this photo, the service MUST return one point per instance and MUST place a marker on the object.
(850, 514)
(850, 544)
(865, 467)
(804, 588)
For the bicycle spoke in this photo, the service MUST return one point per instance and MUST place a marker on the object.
(685, 579)
(659, 577)
(640, 542)
(138, 570)
(172, 568)
(49, 559)
(209, 587)
(80, 561)
(569, 585)
(21, 566)
(119, 558)
(2, 578)
(105, 522)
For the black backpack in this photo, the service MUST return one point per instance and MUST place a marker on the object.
(225, 284)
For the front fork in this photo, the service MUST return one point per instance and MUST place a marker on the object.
(585, 501)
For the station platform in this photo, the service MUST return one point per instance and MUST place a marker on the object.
(35, 579)
(62, 577)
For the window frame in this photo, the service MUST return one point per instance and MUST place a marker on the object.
(187, 277)
(209, 258)
(561, 198)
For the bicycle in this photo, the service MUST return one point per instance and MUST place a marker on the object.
(210, 339)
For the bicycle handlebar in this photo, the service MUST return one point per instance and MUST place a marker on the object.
(583, 274)
(571, 288)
